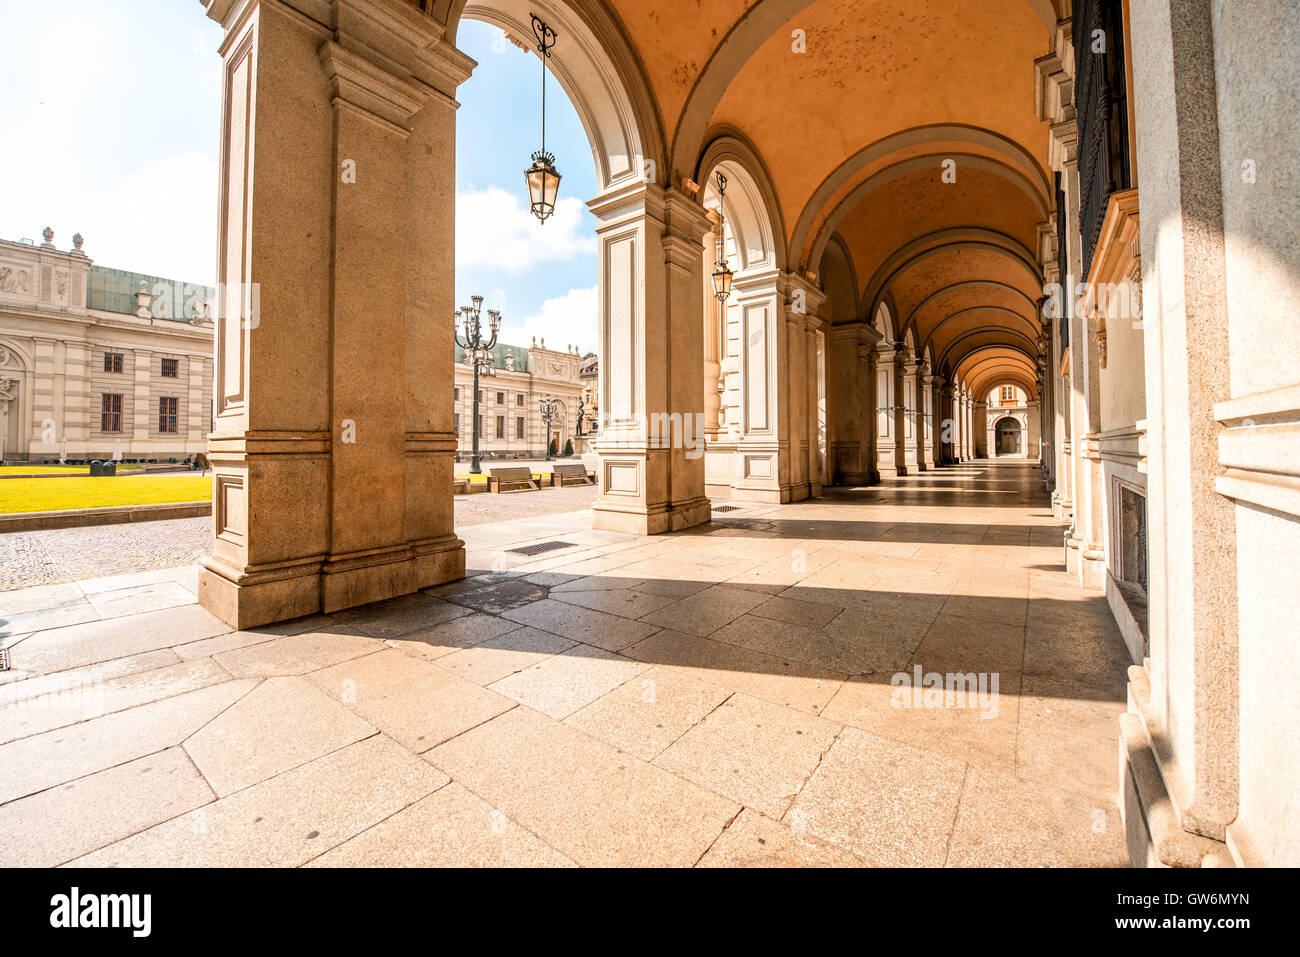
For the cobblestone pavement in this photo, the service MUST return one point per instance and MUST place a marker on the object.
(75, 554)
(483, 507)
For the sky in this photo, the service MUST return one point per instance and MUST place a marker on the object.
(111, 120)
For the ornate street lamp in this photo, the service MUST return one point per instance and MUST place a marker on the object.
(550, 409)
(722, 276)
(478, 353)
(542, 177)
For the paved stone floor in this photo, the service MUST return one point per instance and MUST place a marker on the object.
(716, 697)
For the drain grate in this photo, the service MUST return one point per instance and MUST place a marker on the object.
(540, 547)
(726, 508)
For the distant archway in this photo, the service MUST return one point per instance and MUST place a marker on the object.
(1008, 436)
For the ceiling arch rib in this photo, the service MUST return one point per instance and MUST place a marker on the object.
(932, 141)
(927, 164)
(1007, 304)
(933, 243)
(961, 346)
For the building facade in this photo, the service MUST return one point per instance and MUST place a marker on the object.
(510, 418)
(99, 363)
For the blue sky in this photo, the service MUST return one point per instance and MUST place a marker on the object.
(111, 116)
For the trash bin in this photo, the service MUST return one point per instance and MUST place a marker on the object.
(110, 468)
(96, 467)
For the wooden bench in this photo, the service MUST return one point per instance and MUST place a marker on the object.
(570, 473)
(511, 477)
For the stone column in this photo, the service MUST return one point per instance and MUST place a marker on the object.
(911, 422)
(812, 407)
(651, 344)
(1190, 712)
(792, 393)
(908, 420)
(1085, 542)
(713, 323)
(942, 414)
(958, 427)
(928, 452)
(968, 420)
(333, 443)
(868, 357)
(888, 451)
(853, 426)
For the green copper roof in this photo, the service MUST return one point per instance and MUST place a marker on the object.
(519, 352)
(113, 290)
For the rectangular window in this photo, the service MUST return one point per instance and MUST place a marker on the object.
(480, 426)
(519, 427)
(167, 409)
(455, 394)
(112, 362)
(456, 425)
(519, 400)
(169, 368)
(1008, 394)
(501, 426)
(501, 398)
(110, 413)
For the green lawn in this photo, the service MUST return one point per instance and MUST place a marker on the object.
(46, 495)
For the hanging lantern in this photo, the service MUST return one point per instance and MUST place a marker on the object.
(543, 185)
(542, 178)
(722, 275)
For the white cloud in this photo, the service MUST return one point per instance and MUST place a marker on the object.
(160, 220)
(566, 320)
(495, 229)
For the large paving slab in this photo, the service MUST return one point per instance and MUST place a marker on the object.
(71, 646)
(414, 702)
(64, 822)
(596, 805)
(752, 751)
(449, 828)
(563, 683)
(280, 724)
(41, 761)
(287, 820)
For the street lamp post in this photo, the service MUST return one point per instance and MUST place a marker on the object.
(549, 409)
(478, 353)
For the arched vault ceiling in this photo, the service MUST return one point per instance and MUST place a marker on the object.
(876, 67)
(989, 364)
(918, 203)
(960, 346)
(957, 263)
(677, 38)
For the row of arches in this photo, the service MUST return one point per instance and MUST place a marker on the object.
(886, 261)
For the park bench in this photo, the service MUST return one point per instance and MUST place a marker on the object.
(516, 477)
(570, 473)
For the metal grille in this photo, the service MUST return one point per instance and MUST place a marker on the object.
(4, 659)
(1101, 104)
(726, 508)
(540, 547)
